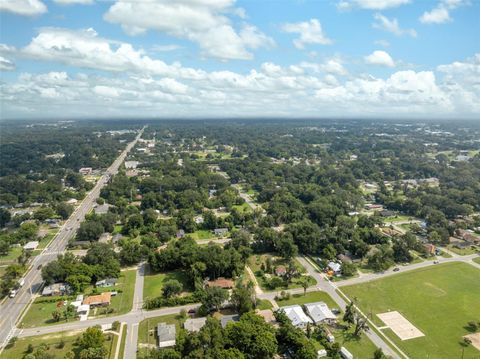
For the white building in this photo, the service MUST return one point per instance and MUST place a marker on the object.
(320, 312)
(335, 267)
(297, 316)
(31, 246)
(345, 353)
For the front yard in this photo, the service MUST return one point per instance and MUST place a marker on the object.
(40, 312)
(268, 270)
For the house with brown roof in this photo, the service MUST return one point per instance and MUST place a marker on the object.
(280, 271)
(100, 300)
(221, 283)
(429, 248)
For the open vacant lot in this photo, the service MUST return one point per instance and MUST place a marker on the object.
(154, 282)
(57, 345)
(438, 300)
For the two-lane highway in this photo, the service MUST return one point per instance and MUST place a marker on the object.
(12, 308)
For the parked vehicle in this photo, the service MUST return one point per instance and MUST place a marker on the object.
(396, 269)
(21, 282)
(13, 293)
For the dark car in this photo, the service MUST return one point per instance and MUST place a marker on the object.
(396, 269)
(40, 266)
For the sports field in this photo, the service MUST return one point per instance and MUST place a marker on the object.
(438, 300)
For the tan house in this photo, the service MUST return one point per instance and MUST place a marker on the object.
(100, 300)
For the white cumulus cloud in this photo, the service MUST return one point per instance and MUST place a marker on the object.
(23, 7)
(441, 13)
(204, 22)
(391, 25)
(310, 32)
(371, 4)
(380, 57)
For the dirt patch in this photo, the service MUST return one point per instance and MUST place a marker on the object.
(400, 325)
(475, 338)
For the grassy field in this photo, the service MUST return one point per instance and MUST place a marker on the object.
(439, 301)
(477, 260)
(243, 208)
(310, 297)
(12, 255)
(154, 282)
(202, 235)
(40, 312)
(263, 304)
(122, 302)
(463, 251)
(53, 342)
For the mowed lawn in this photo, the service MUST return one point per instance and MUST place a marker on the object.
(58, 344)
(438, 300)
(476, 260)
(40, 312)
(153, 283)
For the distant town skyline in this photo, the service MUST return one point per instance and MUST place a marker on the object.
(225, 58)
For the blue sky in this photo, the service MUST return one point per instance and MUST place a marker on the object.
(222, 58)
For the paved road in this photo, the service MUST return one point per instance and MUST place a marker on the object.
(129, 318)
(131, 340)
(372, 276)
(11, 309)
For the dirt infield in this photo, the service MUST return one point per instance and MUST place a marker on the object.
(475, 338)
(400, 325)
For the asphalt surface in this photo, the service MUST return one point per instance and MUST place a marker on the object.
(12, 308)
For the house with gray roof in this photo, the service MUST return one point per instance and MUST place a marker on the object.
(194, 324)
(166, 335)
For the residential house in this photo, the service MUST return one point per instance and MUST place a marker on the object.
(344, 258)
(108, 282)
(321, 353)
(116, 238)
(72, 201)
(345, 354)
(105, 237)
(429, 248)
(166, 335)
(198, 219)
(280, 271)
(221, 282)
(320, 313)
(220, 231)
(131, 164)
(267, 315)
(335, 267)
(180, 234)
(297, 316)
(194, 324)
(229, 318)
(31, 246)
(56, 289)
(85, 171)
(102, 208)
(100, 300)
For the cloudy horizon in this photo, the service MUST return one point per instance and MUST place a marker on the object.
(227, 58)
